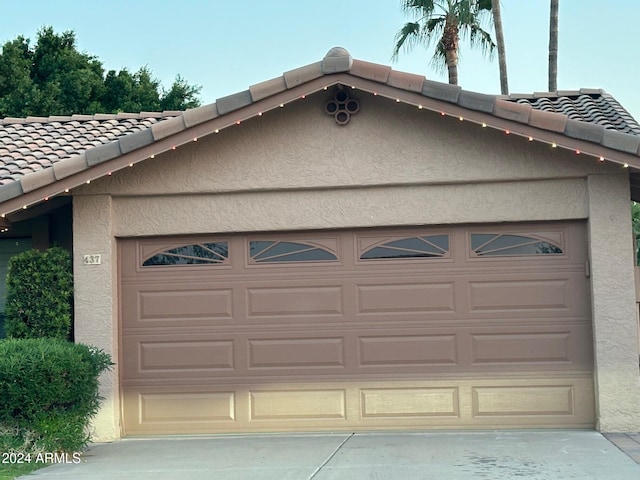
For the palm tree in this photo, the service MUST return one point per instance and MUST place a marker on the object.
(443, 21)
(553, 46)
(502, 54)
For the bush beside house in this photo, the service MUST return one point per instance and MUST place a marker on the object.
(49, 388)
(49, 392)
(39, 294)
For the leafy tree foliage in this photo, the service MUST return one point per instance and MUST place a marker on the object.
(53, 78)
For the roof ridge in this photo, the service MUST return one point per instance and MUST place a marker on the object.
(88, 117)
(546, 112)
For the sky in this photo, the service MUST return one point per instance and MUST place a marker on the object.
(225, 46)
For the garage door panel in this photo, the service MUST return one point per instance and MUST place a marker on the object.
(406, 402)
(178, 355)
(518, 295)
(191, 407)
(509, 401)
(381, 328)
(561, 294)
(409, 350)
(298, 404)
(297, 353)
(555, 347)
(390, 298)
(294, 301)
(177, 305)
(521, 347)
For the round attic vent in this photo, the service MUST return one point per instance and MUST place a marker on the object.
(342, 106)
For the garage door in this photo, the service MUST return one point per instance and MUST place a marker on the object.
(454, 327)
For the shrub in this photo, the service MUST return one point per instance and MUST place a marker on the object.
(39, 294)
(49, 392)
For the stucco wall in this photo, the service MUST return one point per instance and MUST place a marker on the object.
(345, 208)
(294, 168)
(299, 146)
(96, 299)
(617, 380)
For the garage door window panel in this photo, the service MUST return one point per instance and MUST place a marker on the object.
(429, 246)
(264, 251)
(487, 245)
(194, 254)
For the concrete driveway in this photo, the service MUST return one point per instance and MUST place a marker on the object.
(530, 454)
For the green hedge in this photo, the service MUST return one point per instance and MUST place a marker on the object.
(48, 393)
(39, 294)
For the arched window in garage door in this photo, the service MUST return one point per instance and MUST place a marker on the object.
(408, 247)
(194, 254)
(271, 251)
(495, 244)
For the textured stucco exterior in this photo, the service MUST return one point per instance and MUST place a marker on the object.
(617, 380)
(294, 168)
(96, 299)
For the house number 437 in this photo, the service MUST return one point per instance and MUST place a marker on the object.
(92, 259)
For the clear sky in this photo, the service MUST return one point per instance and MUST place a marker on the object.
(225, 45)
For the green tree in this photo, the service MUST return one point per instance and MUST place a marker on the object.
(443, 22)
(553, 45)
(53, 78)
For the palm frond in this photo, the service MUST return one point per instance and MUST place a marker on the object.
(419, 7)
(406, 37)
(439, 60)
(481, 38)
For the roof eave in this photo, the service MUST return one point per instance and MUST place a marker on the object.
(484, 110)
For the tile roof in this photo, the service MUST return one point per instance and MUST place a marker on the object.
(586, 105)
(42, 156)
(31, 144)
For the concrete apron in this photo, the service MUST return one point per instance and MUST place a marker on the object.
(530, 454)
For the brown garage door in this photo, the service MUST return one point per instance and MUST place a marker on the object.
(448, 327)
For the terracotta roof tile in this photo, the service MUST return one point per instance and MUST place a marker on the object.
(301, 75)
(586, 105)
(233, 102)
(266, 89)
(199, 115)
(477, 101)
(406, 81)
(46, 141)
